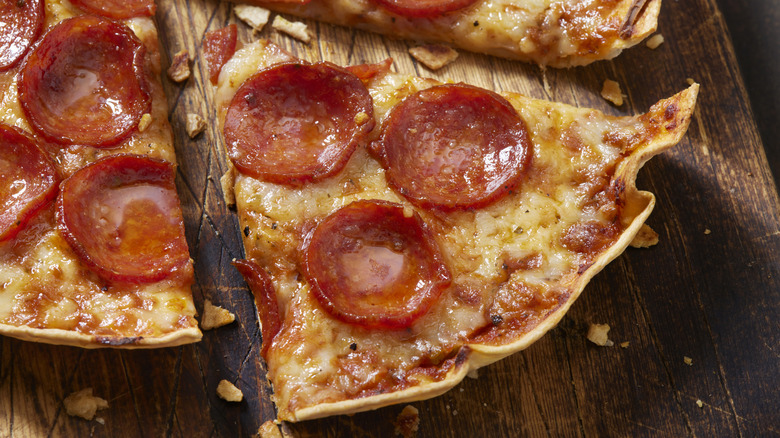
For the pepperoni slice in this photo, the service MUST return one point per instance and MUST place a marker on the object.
(265, 297)
(424, 8)
(295, 123)
(367, 72)
(85, 83)
(28, 180)
(118, 9)
(122, 217)
(218, 47)
(454, 146)
(371, 265)
(21, 23)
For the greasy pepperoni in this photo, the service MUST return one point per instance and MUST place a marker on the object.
(121, 216)
(367, 72)
(371, 265)
(295, 123)
(454, 146)
(118, 9)
(28, 180)
(218, 47)
(265, 297)
(85, 83)
(424, 8)
(20, 24)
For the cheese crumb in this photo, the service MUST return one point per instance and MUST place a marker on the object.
(699, 403)
(434, 56)
(688, 361)
(597, 333)
(195, 124)
(690, 81)
(645, 238)
(215, 316)
(295, 29)
(179, 71)
(269, 429)
(228, 392)
(624, 344)
(144, 123)
(611, 92)
(707, 231)
(83, 404)
(655, 41)
(255, 16)
(361, 118)
(407, 422)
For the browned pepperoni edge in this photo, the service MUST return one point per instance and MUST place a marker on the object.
(161, 249)
(262, 288)
(113, 56)
(454, 146)
(424, 8)
(341, 247)
(317, 102)
(29, 180)
(23, 24)
(118, 9)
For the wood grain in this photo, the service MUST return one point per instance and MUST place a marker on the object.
(709, 291)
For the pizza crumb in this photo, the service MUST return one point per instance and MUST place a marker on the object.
(361, 118)
(645, 238)
(100, 420)
(228, 392)
(144, 123)
(611, 92)
(83, 404)
(707, 231)
(472, 374)
(179, 71)
(407, 422)
(699, 403)
(215, 316)
(597, 333)
(295, 29)
(655, 41)
(254, 16)
(688, 361)
(226, 181)
(624, 344)
(269, 429)
(690, 81)
(434, 56)
(195, 124)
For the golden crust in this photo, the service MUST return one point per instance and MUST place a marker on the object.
(76, 339)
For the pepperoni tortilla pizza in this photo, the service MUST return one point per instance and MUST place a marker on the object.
(556, 33)
(401, 232)
(92, 246)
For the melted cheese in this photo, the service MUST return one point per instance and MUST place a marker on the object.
(310, 360)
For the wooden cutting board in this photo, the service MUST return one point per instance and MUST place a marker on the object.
(709, 291)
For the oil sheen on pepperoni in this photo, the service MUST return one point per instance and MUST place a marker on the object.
(296, 123)
(262, 288)
(454, 146)
(85, 83)
(424, 8)
(371, 265)
(118, 9)
(122, 217)
(219, 45)
(20, 24)
(28, 180)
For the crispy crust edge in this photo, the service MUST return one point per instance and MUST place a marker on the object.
(474, 356)
(83, 340)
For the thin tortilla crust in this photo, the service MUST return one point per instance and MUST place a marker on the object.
(83, 340)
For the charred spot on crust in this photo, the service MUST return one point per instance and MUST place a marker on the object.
(496, 319)
(353, 346)
(116, 342)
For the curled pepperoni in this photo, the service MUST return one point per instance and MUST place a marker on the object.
(295, 123)
(265, 297)
(219, 45)
(21, 23)
(122, 217)
(118, 9)
(371, 265)
(85, 83)
(424, 8)
(454, 146)
(28, 180)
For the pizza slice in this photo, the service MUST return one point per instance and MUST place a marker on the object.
(92, 245)
(556, 33)
(401, 232)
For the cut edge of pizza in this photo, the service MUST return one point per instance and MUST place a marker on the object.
(506, 261)
(92, 252)
(549, 33)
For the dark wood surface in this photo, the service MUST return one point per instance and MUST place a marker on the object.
(710, 290)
